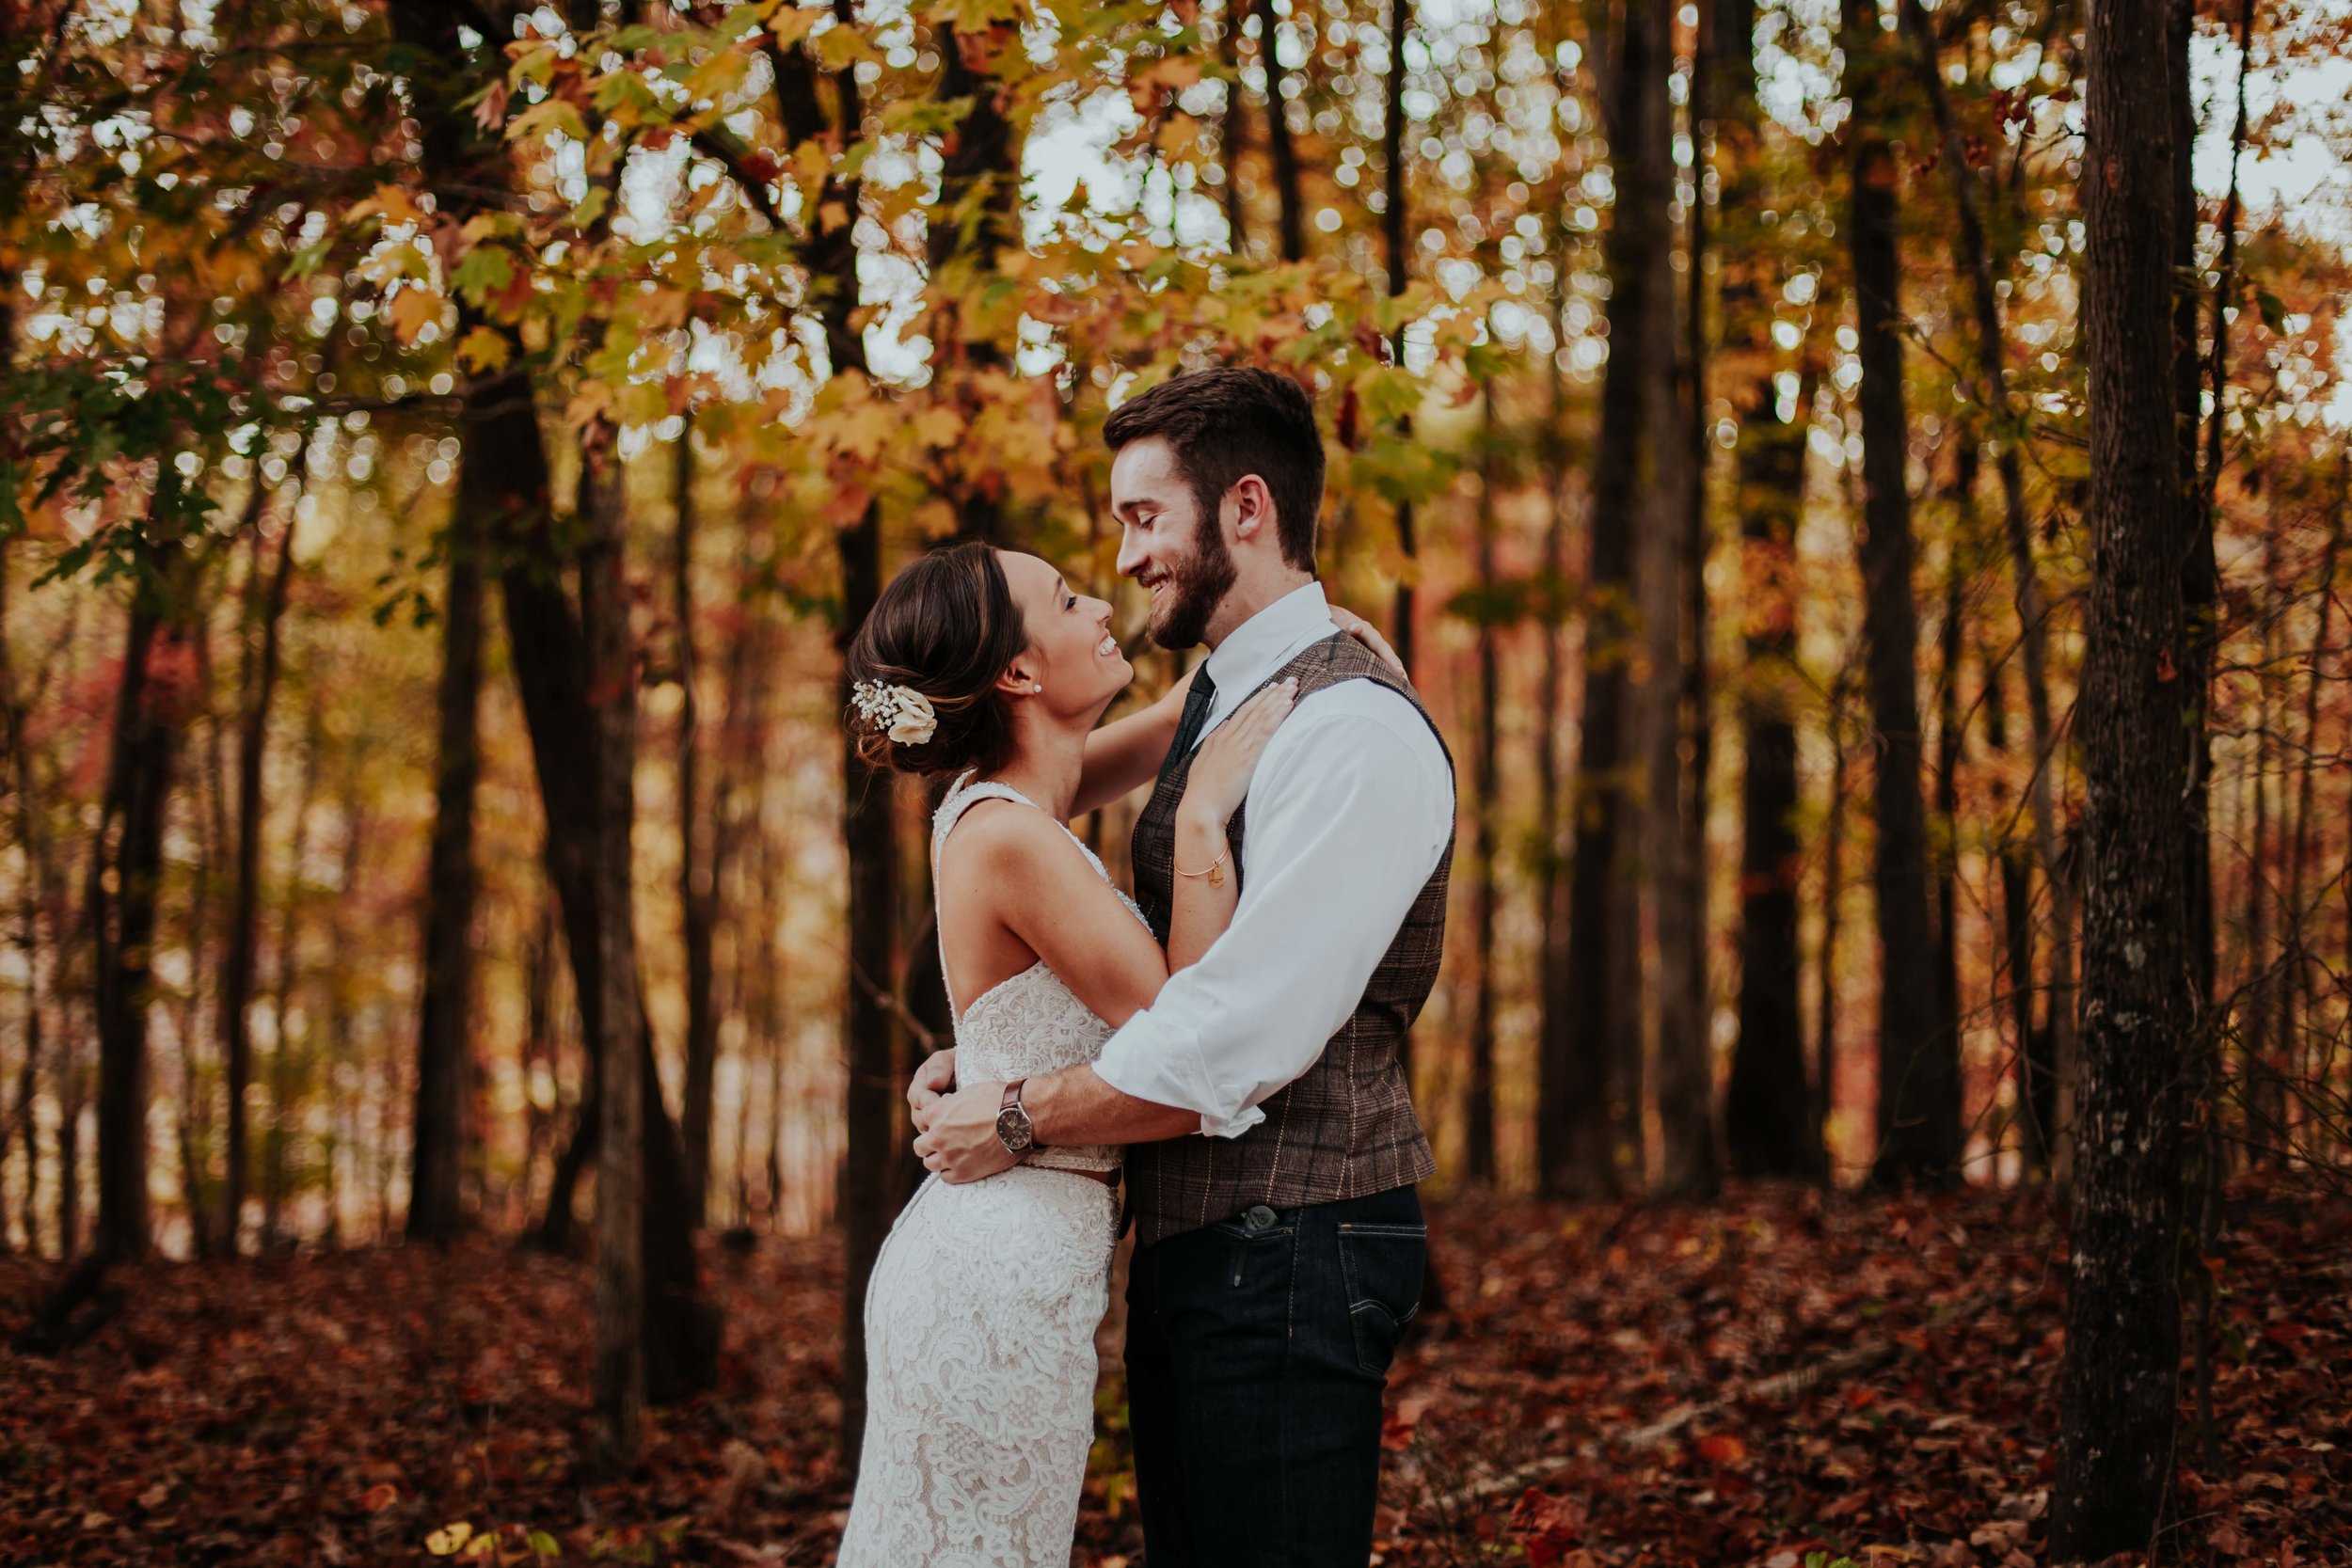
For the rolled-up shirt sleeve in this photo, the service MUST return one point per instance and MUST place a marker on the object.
(1350, 810)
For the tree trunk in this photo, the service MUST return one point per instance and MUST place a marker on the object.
(1949, 739)
(563, 669)
(1767, 1117)
(1397, 259)
(125, 869)
(1551, 841)
(2295, 987)
(286, 1069)
(869, 836)
(1973, 257)
(1918, 1098)
(237, 971)
(1284, 153)
(1681, 733)
(445, 1011)
(1825, 973)
(979, 187)
(1479, 1118)
(612, 704)
(1768, 1128)
(2036, 1082)
(1233, 129)
(2118, 1381)
(698, 855)
(35, 888)
(1582, 1064)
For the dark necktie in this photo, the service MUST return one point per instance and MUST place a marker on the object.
(1194, 719)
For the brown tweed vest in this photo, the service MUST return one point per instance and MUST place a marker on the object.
(1345, 1128)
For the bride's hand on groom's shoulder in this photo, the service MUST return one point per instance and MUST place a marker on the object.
(961, 1144)
(1369, 634)
(1228, 759)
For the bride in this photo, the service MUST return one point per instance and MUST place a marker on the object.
(983, 666)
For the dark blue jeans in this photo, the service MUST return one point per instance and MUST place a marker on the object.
(1257, 1353)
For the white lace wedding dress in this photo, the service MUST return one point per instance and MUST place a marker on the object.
(980, 1316)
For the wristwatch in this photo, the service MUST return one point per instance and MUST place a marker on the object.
(1013, 1122)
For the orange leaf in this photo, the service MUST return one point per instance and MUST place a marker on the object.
(1722, 1448)
(376, 1498)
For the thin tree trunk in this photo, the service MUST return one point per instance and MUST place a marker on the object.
(257, 690)
(2295, 991)
(1233, 129)
(445, 1013)
(698, 856)
(1551, 842)
(2260, 1081)
(869, 835)
(1825, 975)
(2118, 1381)
(612, 704)
(125, 870)
(1768, 1119)
(1584, 1079)
(341, 1053)
(1949, 740)
(565, 669)
(1689, 1169)
(1283, 152)
(287, 1071)
(2036, 1084)
(1479, 1121)
(1918, 1098)
(1396, 261)
(1973, 257)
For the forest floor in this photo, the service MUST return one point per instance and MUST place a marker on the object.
(1749, 1384)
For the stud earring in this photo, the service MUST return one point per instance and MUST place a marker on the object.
(1036, 686)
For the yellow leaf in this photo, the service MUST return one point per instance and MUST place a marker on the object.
(935, 518)
(938, 427)
(450, 1539)
(484, 351)
(410, 309)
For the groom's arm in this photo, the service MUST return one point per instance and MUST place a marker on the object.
(1350, 810)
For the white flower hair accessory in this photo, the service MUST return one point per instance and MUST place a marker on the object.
(903, 712)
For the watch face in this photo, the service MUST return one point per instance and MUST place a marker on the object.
(1012, 1126)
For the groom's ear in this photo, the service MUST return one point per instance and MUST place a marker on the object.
(1251, 507)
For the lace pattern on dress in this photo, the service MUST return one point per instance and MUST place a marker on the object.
(981, 1319)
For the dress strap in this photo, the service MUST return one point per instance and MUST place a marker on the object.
(962, 796)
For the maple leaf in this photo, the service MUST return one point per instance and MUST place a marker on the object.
(410, 310)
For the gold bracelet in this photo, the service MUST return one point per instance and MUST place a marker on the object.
(1214, 871)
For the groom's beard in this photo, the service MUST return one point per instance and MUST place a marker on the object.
(1196, 586)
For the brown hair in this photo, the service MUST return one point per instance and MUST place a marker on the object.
(947, 627)
(1230, 421)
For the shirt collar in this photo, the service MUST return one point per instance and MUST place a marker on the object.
(1266, 642)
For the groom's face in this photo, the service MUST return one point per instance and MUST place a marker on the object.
(1167, 544)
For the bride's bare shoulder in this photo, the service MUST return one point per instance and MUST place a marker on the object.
(1006, 840)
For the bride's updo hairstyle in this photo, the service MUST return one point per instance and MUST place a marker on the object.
(925, 665)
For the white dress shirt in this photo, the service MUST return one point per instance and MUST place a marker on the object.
(1349, 811)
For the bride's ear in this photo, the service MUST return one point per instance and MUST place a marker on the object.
(1019, 680)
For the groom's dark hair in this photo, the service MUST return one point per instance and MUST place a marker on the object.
(1230, 422)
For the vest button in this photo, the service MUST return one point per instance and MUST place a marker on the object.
(1258, 1216)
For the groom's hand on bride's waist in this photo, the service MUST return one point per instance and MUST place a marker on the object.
(932, 1082)
(960, 1143)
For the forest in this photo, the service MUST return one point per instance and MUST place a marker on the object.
(1862, 485)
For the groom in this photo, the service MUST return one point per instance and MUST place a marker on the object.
(1275, 1148)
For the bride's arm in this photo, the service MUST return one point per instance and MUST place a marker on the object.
(1208, 884)
(1124, 755)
